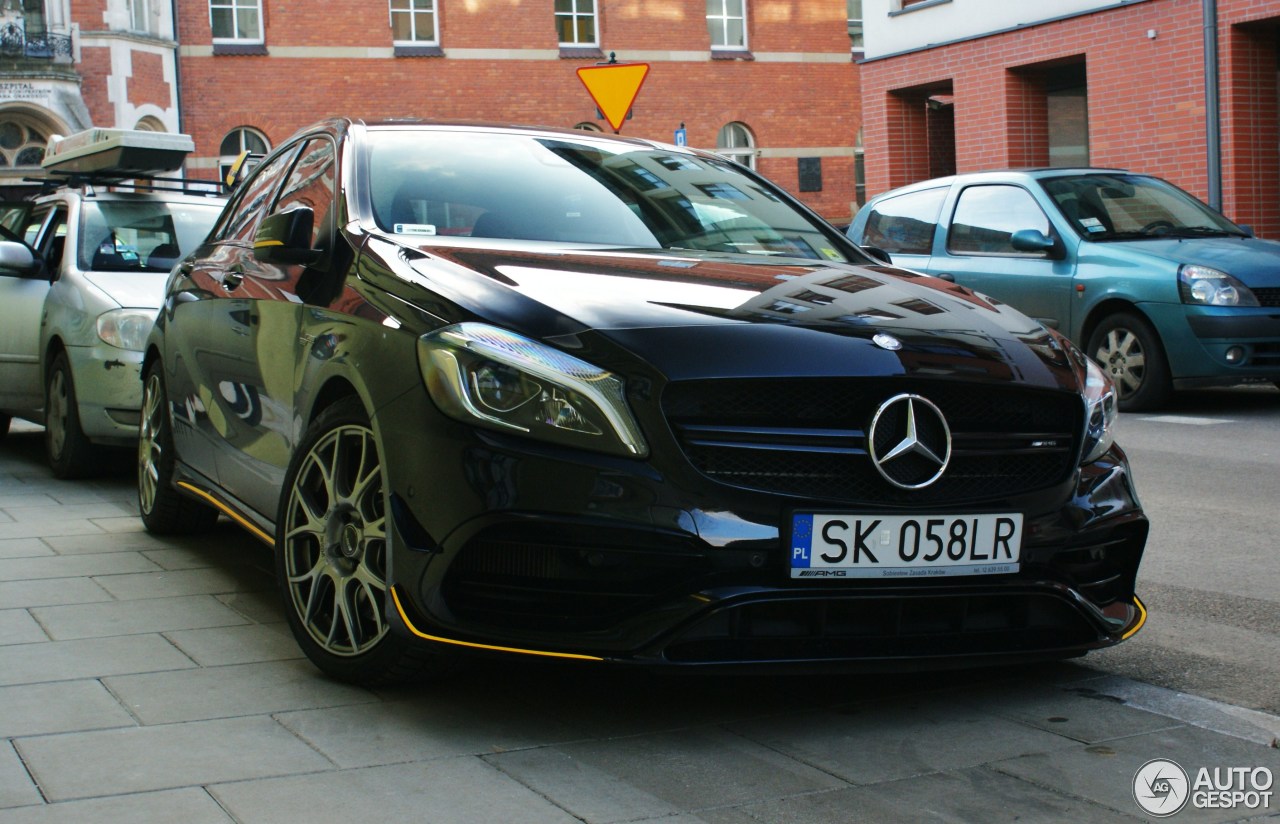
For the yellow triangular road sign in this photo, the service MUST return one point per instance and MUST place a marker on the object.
(614, 86)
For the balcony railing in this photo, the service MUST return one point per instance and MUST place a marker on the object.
(16, 43)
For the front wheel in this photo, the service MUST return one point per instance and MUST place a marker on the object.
(71, 454)
(163, 509)
(331, 554)
(1128, 349)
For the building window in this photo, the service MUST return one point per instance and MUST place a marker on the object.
(588, 127)
(727, 23)
(414, 22)
(236, 21)
(736, 143)
(142, 16)
(854, 12)
(21, 144)
(859, 172)
(149, 124)
(243, 139)
(576, 22)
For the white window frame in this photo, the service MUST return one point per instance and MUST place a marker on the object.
(142, 17)
(395, 7)
(720, 20)
(727, 143)
(240, 133)
(236, 7)
(574, 15)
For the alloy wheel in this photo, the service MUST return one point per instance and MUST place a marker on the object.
(334, 542)
(150, 449)
(1122, 356)
(56, 415)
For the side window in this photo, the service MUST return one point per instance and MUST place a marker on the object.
(311, 184)
(987, 216)
(53, 240)
(241, 219)
(905, 224)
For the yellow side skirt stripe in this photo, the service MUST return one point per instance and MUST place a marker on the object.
(231, 513)
(395, 596)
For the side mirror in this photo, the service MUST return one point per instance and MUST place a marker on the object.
(1033, 240)
(1248, 230)
(877, 253)
(285, 237)
(17, 260)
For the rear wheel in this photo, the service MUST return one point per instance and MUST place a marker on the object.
(1129, 350)
(164, 510)
(71, 454)
(331, 555)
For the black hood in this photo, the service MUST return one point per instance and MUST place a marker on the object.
(702, 314)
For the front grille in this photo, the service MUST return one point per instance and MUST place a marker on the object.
(1269, 296)
(897, 627)
(807, 437)
(1265, 354)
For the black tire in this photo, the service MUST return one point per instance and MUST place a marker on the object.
(164, 510)
(331, 555)
(71, 454)
(1129, 350)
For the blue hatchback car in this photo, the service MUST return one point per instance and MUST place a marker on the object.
(1160, 289)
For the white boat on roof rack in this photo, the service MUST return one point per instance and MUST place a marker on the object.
(119, 152)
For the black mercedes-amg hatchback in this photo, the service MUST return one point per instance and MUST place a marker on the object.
(553, 393)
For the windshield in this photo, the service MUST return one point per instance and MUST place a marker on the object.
(141, 236)
(428, 184)
(1124, 207)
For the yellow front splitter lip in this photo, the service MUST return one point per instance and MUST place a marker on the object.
(395, 597)
(1141, 620)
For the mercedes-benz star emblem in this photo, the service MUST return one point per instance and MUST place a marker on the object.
(909, 442)
(886, 341)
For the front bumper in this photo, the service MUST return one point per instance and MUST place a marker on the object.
(108, 384)
(507, 545)
(1219, 345)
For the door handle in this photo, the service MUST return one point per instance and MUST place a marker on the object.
(947, 276)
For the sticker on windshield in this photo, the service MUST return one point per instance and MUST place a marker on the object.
(1092, 224)
(832, 253)
(414, 229)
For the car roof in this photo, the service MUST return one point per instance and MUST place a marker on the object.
(999, 176)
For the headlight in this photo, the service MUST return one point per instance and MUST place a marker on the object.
(488, 376)
(1100, 411)
(1209, 287)
(126, 328)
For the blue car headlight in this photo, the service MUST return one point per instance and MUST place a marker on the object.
(1210, 287)
(494, 378)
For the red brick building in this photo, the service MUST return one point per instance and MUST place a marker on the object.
(771, 82)
(786, 87)
(963, 85)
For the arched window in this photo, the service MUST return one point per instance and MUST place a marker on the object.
(243, 139)
(22, 142)
(736, 143)
(584, 126)
(150, 124)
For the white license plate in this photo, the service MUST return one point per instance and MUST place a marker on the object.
(839, 545)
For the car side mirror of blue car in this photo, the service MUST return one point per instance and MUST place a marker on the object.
(1034, 240)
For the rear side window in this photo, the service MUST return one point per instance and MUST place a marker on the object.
(905, 224)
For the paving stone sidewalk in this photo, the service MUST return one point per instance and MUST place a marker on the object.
(147, 680)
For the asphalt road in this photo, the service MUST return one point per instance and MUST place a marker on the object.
(1208, 474)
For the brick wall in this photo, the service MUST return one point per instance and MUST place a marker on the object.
(146, 81)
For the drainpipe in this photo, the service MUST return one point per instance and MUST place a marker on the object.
(177, 64)
(1213, 120)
